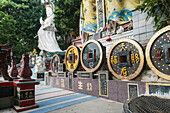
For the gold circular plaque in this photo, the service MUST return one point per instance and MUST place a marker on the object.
(91, 55)
(54, 64)
(72, 58)
(125, 59)
(158, 53)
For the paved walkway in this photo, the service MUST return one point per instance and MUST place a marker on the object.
(55, 100)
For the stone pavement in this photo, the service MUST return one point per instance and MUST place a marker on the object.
(98, 105)
(55, 100)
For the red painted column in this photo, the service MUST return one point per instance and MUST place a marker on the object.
(25, 88)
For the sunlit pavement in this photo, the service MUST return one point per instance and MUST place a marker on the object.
(51, 99)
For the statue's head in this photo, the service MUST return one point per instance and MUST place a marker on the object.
(49, 8)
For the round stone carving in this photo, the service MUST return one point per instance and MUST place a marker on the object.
(91, 55)
(54, 64)
(72, 58)
(158, 53)
(125, 59)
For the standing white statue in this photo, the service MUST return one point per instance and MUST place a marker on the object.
(40, 65)
(46, 33)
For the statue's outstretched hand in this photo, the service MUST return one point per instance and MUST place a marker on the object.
(41, 21)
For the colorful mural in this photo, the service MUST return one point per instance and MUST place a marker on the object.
(89, 15)
(120, 10)
(100, 14)
(94, 13)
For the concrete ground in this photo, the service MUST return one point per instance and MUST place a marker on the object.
(96, 105)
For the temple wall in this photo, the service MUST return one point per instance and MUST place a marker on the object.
(114, 38)
(117, 90)
(142, 31)
(105, 82)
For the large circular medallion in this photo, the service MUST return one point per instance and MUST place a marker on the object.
(72, 58)
(54, 64)
(158, 53)
(91, 55)
(125, 59)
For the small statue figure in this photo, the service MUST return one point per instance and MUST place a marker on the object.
(111, 27)
(40, 65)
(84, 37)
(120, 30)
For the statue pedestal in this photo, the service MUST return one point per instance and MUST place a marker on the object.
(6, 94)
(39, 76)
(25, 93)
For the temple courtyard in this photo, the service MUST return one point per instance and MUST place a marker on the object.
(56, 100)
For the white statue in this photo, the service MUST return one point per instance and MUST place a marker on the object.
(40, 65)
(120, 30)
(46, 33)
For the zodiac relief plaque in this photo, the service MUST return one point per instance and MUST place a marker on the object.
(92, 55)
(158, 53)
(125, 59)
(70, 80)
(133, 90)
(61, 67)
(103, 83)
(54, 64)
(72, 58)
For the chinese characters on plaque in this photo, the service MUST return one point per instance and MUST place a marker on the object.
(87, 85)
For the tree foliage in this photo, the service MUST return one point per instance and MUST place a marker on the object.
(159, 10)
(22, 24)
(67, 18)
(7, 29)
(19, 22)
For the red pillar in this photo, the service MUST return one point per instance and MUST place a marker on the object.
(25, 88)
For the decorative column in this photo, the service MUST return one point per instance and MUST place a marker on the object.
(14, 71)
(25, 88)
(3, 65)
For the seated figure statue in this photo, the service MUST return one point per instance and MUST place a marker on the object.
(46, 33)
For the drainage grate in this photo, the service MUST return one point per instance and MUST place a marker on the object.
(149, 104)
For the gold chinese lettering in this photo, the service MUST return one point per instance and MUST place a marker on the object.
(22, 96)
(62, 83)
(89, 86)
(111, 60)
(57, 81)
(72, 50)
(132, 58)
(80, 85)
(26, 95)
(30, 95)
(114, 60)
(124, 71)
(123, 47)
(137, 58)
